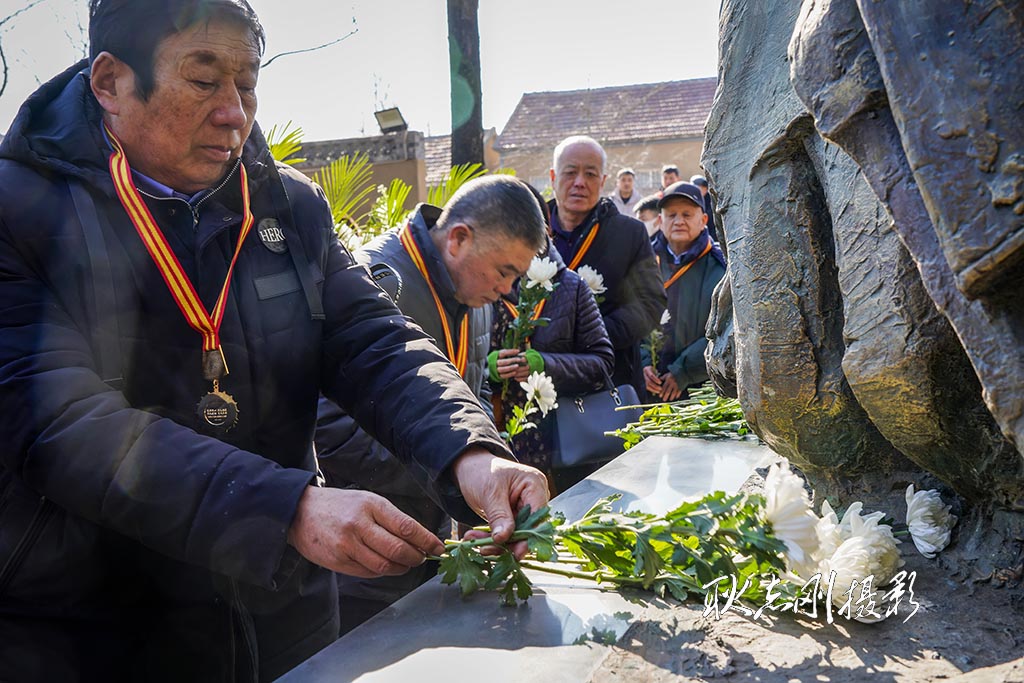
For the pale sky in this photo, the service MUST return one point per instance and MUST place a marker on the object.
(399, 56)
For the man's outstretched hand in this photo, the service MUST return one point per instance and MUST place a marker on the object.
(497, 488)
(358, 533)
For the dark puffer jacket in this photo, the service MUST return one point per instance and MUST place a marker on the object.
(632, 306)
(576, 351)
(132, 547)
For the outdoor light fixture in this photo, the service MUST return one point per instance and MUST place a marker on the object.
(390, 120)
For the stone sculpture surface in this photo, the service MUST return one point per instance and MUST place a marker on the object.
(875, 239)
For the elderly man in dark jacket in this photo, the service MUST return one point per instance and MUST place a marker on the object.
(589, 232)
(159, 374)
(691, 266)
(443, 269)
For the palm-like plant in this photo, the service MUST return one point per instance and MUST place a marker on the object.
(346, 183)
(285, 142)
(389, 209)
(439, 194)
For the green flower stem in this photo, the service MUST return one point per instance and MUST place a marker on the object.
(599, 577)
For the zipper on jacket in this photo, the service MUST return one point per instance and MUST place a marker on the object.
(223, 183)
(43, 513)
(244, 622)
(194, 208)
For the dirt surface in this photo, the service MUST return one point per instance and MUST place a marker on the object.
(969, 626)
(960, 633)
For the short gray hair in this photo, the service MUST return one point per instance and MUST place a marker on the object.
(497, 206)
(574, 139)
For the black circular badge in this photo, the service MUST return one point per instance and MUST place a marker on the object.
(271, 235)
(217, 412)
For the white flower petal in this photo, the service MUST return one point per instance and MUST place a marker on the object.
(788, 510)
(856, 559)
(540, 273)
(541, 390)
(594, 279)
(929, 521)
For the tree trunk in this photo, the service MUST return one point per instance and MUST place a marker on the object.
(464, 54)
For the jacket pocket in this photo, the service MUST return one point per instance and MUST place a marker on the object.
(44, 511)
(48, 557)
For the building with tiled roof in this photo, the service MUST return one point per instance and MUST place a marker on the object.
(437, 153)
(642, 126)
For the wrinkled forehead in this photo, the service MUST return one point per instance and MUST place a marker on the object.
(211, 43)
(580, 155)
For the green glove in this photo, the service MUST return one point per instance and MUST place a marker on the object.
(492, 366)
(534, 360)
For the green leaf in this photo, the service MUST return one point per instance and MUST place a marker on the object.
(285, 143)
(438, 195)
(648, 563)
(346, 184)
(466, 565)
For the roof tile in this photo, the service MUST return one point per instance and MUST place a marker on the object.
(649, 111)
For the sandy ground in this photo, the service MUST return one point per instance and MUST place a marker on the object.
(969, 627)
(960, 633)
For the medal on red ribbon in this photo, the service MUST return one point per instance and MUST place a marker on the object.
(217, 410)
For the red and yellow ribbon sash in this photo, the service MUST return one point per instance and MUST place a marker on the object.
(458, 356)
(584, 248)
(679, 273)
(184, 294)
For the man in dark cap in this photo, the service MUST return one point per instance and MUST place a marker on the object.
(691, 265)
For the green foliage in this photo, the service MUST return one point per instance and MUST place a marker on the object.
(346, 182)
(389, 209)
(285, 143)
(519, 422)
(704, 413)
(438, 195)
(675, 554)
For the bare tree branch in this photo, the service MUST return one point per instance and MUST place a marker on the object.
(3, 57)
(21, 11)
(310, 49)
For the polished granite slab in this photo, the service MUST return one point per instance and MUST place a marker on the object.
(434, 634)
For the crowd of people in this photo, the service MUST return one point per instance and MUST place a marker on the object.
(228, 438)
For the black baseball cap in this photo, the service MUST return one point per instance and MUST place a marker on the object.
(685, 190)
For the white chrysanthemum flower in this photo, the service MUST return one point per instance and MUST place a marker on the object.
(855, 548)
(830, 535)
(593, 279)
(666, 317)
(540, 389)
(929, 521)
(540, 273)
(855, 560)
(788, 510)
(883, 559)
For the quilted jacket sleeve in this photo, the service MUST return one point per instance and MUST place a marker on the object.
(584, 369)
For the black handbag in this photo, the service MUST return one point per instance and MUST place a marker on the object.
(583, 420)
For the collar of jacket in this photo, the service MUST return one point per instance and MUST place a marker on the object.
(660, 245)
(605, 207)
(424, 220)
